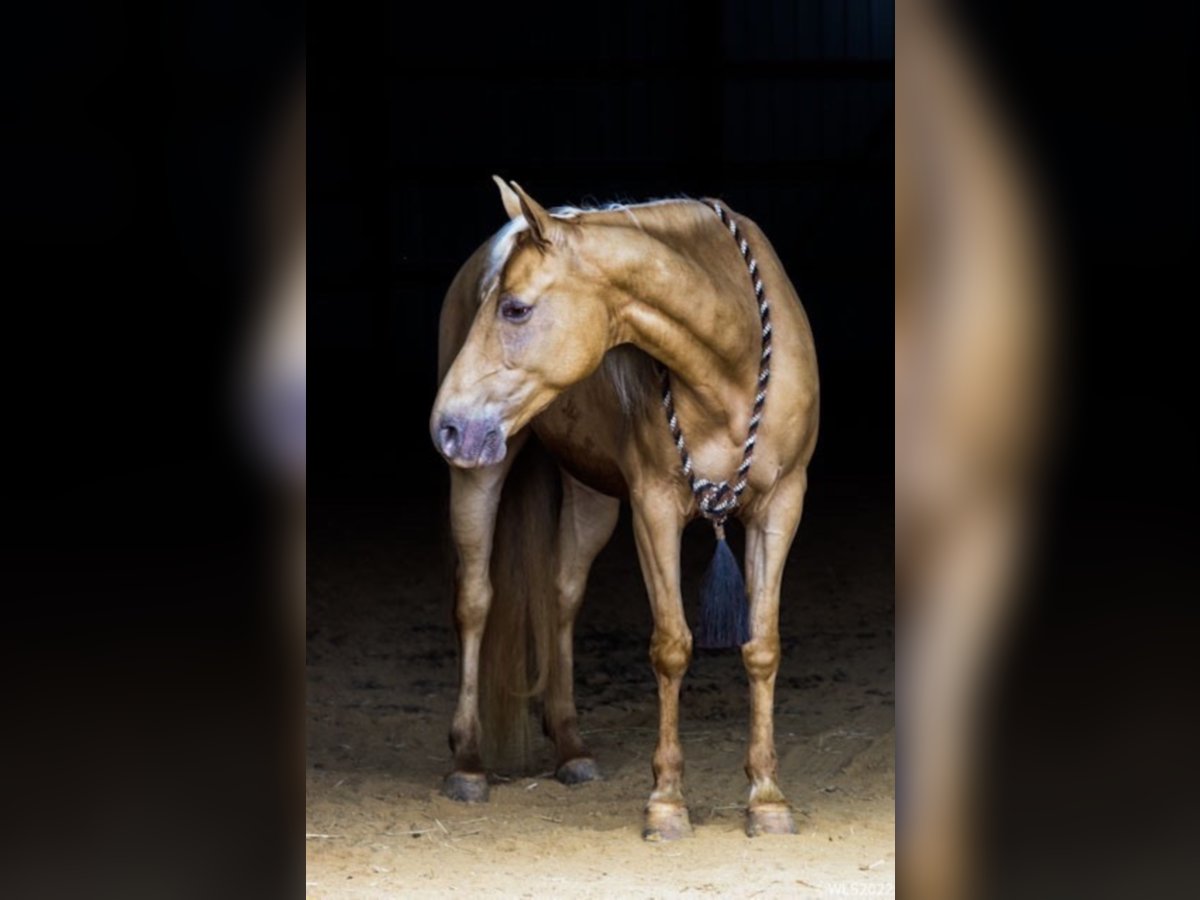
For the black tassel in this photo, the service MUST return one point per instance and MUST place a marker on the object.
(724, 620)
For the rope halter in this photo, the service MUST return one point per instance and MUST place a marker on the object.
(718, 499)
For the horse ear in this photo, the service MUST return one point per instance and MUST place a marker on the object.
(540, 223)
(512, 203)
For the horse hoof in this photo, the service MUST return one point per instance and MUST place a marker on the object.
(666, 822)
(774, 818)
(466, 787)
(578, 771)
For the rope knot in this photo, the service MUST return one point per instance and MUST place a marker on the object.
(716, 500)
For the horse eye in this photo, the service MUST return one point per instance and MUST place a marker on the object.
(513, 310)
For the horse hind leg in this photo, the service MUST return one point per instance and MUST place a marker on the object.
(768, 541)
(587, 522)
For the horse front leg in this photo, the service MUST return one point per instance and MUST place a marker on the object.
(657, 526)
(585, 525)
(474, 500)
(768, 539)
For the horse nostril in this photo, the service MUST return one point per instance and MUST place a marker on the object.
(449, 437)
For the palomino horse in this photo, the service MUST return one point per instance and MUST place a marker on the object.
(554, 327)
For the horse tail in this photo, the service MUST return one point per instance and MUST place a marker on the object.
(519, 642)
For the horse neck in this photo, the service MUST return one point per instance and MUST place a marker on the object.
(683, 299)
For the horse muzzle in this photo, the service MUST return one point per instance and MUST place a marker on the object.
(470, 441)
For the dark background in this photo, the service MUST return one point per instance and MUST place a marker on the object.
(782, 109)
(132, 228)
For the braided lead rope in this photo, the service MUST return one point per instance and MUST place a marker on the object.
(717, 499)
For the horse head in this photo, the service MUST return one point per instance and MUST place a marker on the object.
(543, 324)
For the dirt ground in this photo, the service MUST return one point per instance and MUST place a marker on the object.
(381, 689)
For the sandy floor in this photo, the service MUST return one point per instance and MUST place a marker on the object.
(381, 687)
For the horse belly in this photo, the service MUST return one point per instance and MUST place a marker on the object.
(582, 433)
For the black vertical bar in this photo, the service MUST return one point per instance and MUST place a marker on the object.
(704, 98)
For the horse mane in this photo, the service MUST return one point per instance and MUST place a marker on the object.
(629, 371)
(673, 219)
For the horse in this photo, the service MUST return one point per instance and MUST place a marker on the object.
(566, 329)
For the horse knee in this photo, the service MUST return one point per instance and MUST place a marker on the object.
(471, 609)
(761, 657)
(671, 653)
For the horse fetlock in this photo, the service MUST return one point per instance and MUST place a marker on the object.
(464, 741)
(668, 770)
(564, 732)
(761, 764)
(765, 791)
